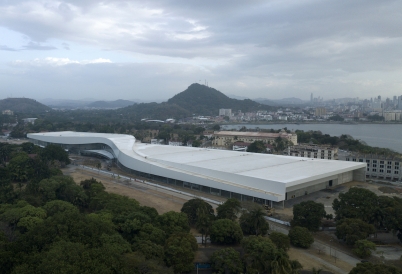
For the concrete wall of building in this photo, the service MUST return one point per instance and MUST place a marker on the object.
(359, 175)
(345, 177)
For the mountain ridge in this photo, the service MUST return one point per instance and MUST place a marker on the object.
(23, 105)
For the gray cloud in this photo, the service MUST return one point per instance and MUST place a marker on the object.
(270, 48)
(37, 46)
(6, 48)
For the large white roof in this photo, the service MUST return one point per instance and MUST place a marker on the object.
(253, 171)
(285, 169)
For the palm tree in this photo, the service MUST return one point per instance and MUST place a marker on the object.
(257, 216)
(281, 264)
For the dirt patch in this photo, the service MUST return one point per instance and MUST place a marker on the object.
(390, 190)
(313, 261)
(145, 195)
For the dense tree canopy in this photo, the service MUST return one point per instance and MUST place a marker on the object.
(227, 260)
(257, 147)
(191, 207)
(300, 237)
(352, 230)
(229, 209)
(253, 222)
(356, 203)
(225, 231)
(308, 214)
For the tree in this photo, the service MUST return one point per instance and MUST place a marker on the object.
(204, 222)
(352, 230)
(356, 203)
(20, 167)
(300, 237)
(179, 252)
(216, 127)
(259, 252)
(363, 248)
(138, 263)
(225, 231)
(191, 207)
(308, 214)
(253, 222)
(257, 147)
(55, 152)
(226, 260)
(150, 250)
(336, 118)
(173, 222)
(229, 209)
(369, 268)
(280, 240)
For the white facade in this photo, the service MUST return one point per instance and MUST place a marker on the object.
(225, 112)
(249, 175)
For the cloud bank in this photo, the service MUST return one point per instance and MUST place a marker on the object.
(154, 49)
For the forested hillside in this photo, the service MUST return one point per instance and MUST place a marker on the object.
(23, 105)
(203, 100)
(49, 224)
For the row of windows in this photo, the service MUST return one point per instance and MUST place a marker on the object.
(389, 163)
(382, 171)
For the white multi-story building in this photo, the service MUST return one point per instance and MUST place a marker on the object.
(312, 151)
(225, 112)
(378, 166)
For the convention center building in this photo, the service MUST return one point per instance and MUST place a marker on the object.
(261, 178)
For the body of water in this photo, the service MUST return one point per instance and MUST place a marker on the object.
(377, 135)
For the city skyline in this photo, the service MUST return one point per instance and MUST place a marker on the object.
(154, 50)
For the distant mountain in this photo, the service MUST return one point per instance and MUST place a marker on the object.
(203, 100)
(236, 97)
(161, 111)
(23, 105)
(280, 102)
(110, 104)
(65, 103)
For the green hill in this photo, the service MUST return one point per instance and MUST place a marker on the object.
(160, 111)
(203, 100)
(23, 105)
(111, 104)
(196, 99)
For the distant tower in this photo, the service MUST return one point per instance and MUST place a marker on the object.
(311, 97)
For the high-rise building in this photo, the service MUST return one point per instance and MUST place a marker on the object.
(225, 112)
(320, 112)
(400, 102)
(311, 97)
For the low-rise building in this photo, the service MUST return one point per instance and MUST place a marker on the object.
(175, 143)
(157, 141)
(7, 112)
(29, 120)
(225, 138)
(242, 146)
(312, 151)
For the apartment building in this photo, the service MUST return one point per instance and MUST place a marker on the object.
(378, 166)
(225, 138)
(312, 151)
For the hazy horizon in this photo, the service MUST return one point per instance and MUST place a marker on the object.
(156, 49)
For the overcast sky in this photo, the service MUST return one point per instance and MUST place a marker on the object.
(154, 49)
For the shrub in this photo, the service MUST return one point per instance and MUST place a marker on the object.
(300, 237)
